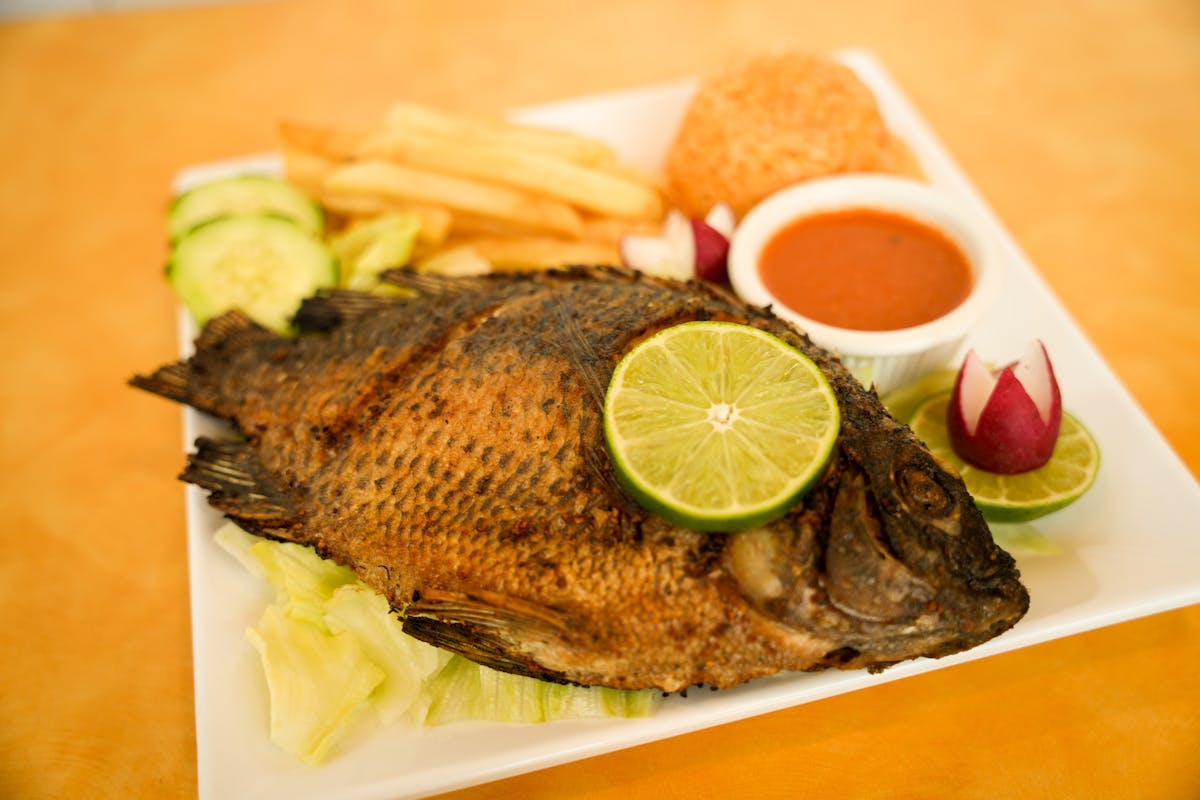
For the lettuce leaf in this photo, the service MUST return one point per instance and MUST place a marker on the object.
(317, 682)
(406, 662)
(465, 690)
(368, 248)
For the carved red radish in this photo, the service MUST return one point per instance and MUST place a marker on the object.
(686, 248)
(1006, 421)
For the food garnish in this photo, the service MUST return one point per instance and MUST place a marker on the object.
(903, 401)
(369, 246)
(1005, 421)
(241, 195)
(1005, 418)
(685, 248)
(262, 264)
(717, 426)
(1022, 496)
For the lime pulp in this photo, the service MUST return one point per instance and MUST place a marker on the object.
(718, 426)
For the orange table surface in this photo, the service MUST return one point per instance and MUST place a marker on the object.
(1077, 121)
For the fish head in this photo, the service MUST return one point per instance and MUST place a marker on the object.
(887, 558)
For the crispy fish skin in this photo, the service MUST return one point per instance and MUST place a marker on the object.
(450, 450)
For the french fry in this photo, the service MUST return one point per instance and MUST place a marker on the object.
(398, 182)
(436, 221)
(458, 260)
(587, 188)
(570, 146)
(490, 194)
(353, 205)
(305, 169)
(469, 225)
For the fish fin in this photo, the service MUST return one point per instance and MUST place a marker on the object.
(431, 284)
(863, 576)
(434, 284)
(232, 330)
(484, 626)
(185, 381)
(239, 487)
(328, 309)
(170, 382)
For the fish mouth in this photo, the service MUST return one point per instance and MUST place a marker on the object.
(883, 587)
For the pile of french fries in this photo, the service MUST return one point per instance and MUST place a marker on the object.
(490, 195)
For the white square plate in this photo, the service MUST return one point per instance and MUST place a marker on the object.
(1130, 547)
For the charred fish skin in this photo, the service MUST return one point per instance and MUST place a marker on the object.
(449, 449)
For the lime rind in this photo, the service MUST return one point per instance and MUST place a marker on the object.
(1023, 496)
(718, 426)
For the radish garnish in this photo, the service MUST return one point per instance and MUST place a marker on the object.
(712, 235)
(1006, 421)
(685, 249)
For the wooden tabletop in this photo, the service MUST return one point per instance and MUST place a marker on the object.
(1077, 121)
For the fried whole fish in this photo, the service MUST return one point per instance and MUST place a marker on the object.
(449, 449)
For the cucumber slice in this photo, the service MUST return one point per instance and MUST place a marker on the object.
(243, 194)
(264, 265)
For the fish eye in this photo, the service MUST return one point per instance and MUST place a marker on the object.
(921, 491)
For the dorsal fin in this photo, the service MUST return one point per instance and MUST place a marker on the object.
(431, 284)
(230, 331)
(330, 308)
(240, 487)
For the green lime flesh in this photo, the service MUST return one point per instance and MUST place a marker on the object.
(717, 426)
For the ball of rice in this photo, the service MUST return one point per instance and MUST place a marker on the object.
(773, 121)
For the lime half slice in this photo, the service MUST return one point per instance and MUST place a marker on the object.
(717, 426)
(903, 401)
(1025, 495)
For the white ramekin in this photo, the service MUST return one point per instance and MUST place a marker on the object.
(886, 358)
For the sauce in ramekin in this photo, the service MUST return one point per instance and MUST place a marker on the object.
(865, 269)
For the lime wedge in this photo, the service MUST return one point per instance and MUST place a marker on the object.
(1025, 495)
(903, 401)
(717, 426)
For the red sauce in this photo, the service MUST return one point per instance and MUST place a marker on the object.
(865, 269)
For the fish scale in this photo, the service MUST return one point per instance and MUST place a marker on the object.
(447, 445)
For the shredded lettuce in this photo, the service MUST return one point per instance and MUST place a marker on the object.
(369, 247)
(317, 682)
(331, 648)
(407, 662)
(466, 690)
